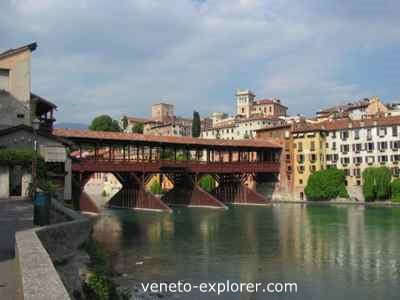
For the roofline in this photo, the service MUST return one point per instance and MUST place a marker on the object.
(30, 129)
(273, 128)
(119, 137)
(31, 47)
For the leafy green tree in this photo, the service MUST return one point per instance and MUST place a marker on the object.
(395, 190)
(207, 183)
(104, 123)
(138, 128)
(376, 183)
(369, 186)
(326, 185)
(383, 179)
(124, 122)
(196, 124)
(155, 188)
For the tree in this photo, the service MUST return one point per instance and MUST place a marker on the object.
(369, 187)
(395, 190)
(124, 122)
(155, 188)
(138, 128)
(376, 183)
(104, 123)
(326, 184)
(196, 124)
(207, 183)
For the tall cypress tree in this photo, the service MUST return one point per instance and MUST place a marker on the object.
(196, 124)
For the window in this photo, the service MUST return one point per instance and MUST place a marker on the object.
(344, 134)
(300, 146)
(369, 147)
(312, 146)
(300, 158)
(357, 172)
(357, 160)
(356, 134)
(382, 131)
(300, 169)
(346, 172)
(357, 148)
(333, 145)
(333, 134)
(382, 146)
(287, 157)
(344, 148)
(370, 160)
(335, 157)
(394, 131)
(313, 168)
(300, 181)
(395, 145)
(313, 157)
(369, 133)
(395, 158)
(396, 171)
(345, 160)
(270, 109)
(382, 159)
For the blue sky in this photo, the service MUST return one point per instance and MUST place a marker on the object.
(119, 57)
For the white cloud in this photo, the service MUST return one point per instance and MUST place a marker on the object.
(119, 57)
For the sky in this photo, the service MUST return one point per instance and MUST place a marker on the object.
(119, 57)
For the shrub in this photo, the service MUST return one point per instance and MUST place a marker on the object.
(395, 190)
(376, 183)
(326, 184)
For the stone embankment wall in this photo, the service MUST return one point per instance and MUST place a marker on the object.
(48, 257)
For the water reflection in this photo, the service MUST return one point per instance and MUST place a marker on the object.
(352, 251)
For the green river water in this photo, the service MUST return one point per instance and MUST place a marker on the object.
(330, 252)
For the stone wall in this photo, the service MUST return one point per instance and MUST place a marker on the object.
(48, 257)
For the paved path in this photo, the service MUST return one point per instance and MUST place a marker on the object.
(15, 215)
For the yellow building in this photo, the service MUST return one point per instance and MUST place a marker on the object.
(309, 153)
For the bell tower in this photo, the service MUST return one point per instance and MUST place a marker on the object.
(244, 102)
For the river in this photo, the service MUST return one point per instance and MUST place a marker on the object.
(330, 252)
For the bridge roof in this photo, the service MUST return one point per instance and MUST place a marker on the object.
(105, 136)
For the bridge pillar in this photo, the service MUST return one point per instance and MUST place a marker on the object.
(80, 199)
(134, 195)
(187, 192)
(232, 188)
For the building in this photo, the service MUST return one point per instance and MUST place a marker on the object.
(247, 106)
(162, 112)
(18, 104)
(163, 121)
(354, 110)
(174, 126)
(348, 144)
(251, 115)
(19, 107)
(240, 128)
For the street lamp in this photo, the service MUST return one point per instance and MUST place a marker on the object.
(35, 127)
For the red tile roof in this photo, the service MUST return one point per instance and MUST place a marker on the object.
(269, 101)
(172, 140)
(338, 124)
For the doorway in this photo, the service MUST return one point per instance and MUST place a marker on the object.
(15, 180)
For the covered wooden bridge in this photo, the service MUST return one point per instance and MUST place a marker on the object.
(134, 158)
